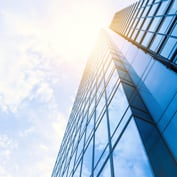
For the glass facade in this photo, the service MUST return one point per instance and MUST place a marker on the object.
(123, 121)
(152, 26)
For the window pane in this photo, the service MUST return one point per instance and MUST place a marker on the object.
(80, 147)
(87, 161)
(155, 24)
(139, 23)
(100, 90)
(150, 2)
(106, 170)
(89, 128)
(169, 47)
(146, 23)
(174, 31)
(126, 117)
(172, 130)
(140, 36)
(100, 106)
(173, 9)
(162, 8)
(112, 83)
(156, 42)
(147, 39)
(108, 71)
(117, 108)
(145, 11)
(166, 24)
(77, 172)
(154, 7)
(129, 155)
(134, 34)
(101, 138)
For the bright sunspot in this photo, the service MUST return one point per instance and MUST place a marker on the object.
(76, 31)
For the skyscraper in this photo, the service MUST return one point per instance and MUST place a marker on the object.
(124, 118)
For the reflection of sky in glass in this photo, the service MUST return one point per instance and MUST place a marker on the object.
(106, 171)
(90, 128)
(117, 108)
(101, 140)
(152, 30)
(129, 155)
(101, 137)
(87, 162)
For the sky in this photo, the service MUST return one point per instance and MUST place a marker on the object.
(44, 47)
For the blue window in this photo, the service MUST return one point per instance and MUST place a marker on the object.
(150, 2)
(101, 138)
(140, 36)
(157, 41)
(131, 160)
(139, 23)
(169, 47)
(165, 25)
(105, 171)
(145, 11)
(169, 132)
(100, 107)
(87, 160)
(112, 84)
(146, 23)
(173, 9)
(162, 8)
(174, 31)
(153, 9)
(147, 39)
(117, 108)
(90, 129)
(175, 59)
(155, 24)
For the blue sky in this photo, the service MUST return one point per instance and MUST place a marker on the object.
(43, 50)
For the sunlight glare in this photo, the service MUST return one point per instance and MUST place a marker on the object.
(76, 32)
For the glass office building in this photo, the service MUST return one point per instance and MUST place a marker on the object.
(124, 118)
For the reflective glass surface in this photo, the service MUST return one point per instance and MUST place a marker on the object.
(157, 18)
(129, 155)
(125, 110)
(117, 108)
(101, 138)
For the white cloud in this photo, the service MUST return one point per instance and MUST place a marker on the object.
(4, 173)
(59, 126)
(27, 132)
(6, 142)
(44, 92)
(43, 147)
(7, 148)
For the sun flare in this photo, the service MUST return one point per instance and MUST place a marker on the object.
(76, 31)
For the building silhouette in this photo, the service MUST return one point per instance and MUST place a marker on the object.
(124, 118)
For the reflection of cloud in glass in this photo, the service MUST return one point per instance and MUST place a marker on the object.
(87, 160)
(85, 171)
(106, 171)
(101, 140)
(117, 108)
(101, 137)
(129, 156)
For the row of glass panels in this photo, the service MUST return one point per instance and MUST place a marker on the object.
(99, 117)
(152, 25)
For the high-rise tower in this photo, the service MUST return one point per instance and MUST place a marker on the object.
(124, 118)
